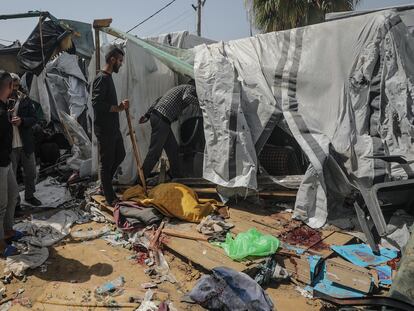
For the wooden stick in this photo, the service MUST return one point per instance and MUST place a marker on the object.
(137, 155)
(185, 235)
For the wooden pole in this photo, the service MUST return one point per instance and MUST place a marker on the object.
(137, 155)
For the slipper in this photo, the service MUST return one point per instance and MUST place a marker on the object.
(17, 236)
(10, 250)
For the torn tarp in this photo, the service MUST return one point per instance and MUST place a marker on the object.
(61, 87)
(343, 88)
(44, 42)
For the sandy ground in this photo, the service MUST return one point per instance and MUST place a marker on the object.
(75, 269)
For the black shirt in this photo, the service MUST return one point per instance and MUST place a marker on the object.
(6, 136)
(103, 97)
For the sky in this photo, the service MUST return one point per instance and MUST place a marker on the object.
(221, 19)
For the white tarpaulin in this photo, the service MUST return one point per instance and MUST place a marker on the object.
(344, 89)
(142, 79)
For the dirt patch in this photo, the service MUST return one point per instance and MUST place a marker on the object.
(75, 269)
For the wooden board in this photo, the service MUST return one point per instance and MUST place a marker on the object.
(336, 238)
(297, 266)
(264, 220)
(346, 274)
(202, 253)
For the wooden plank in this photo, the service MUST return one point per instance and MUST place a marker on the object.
(202, 253)
(185, 234)
(281, 193)
(297, 266)
(97, 23)
(336, 238)
(346, 274)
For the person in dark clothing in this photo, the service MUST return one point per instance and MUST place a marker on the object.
(23, 140)
(8, 185)
(106, 121)
(161, 114)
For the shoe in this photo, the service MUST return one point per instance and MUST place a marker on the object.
(9, 251)
(16, 235)
(33, 201)
(114, 202)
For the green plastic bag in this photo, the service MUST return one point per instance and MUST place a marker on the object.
(249, 243)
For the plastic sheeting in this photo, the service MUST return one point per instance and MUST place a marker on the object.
(344, 88)
(142, 79)
(37, 51)
(61, 87)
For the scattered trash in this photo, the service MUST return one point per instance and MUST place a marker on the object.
(6, 306)
(43, 268)
(362, 255)
(304, 292)
(148, 285)
(44, 230)
(270, 270)
(384, 275)
(90, 234)
(227, 289)
(31, 258)
(213, 224)
(7, 278)
(115, 239)
(147, 304)
(249, 243)
(111, 287)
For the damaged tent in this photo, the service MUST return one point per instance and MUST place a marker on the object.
(342, 104)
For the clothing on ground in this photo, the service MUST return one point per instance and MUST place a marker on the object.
(174, 200)
(162, 137)
(131, 216)
(172, 104)
(227, 289)
(8, 199)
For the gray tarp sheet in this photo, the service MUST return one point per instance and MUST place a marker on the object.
(344, 88)
(62, 86)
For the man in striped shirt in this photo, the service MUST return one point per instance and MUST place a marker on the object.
(161, 114)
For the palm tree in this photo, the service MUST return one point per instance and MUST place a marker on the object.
(274, 15)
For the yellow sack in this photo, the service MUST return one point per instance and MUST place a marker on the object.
(174, 200)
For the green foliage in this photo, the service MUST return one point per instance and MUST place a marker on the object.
(274, 15)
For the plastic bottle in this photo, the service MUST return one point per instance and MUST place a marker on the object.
(111, 286)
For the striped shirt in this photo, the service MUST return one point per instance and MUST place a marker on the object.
(172, 104)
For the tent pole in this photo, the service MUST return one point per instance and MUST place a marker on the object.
(137, 155)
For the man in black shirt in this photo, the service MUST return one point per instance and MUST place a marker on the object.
(161, 114)
(106, 121)
(8, 185)
(23, 140)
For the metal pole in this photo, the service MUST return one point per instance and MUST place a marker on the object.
(199, 18)
(97, 51)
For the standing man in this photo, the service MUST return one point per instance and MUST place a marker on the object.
(8, 185)
(106, 121)
(23, 140)
(161, 114)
